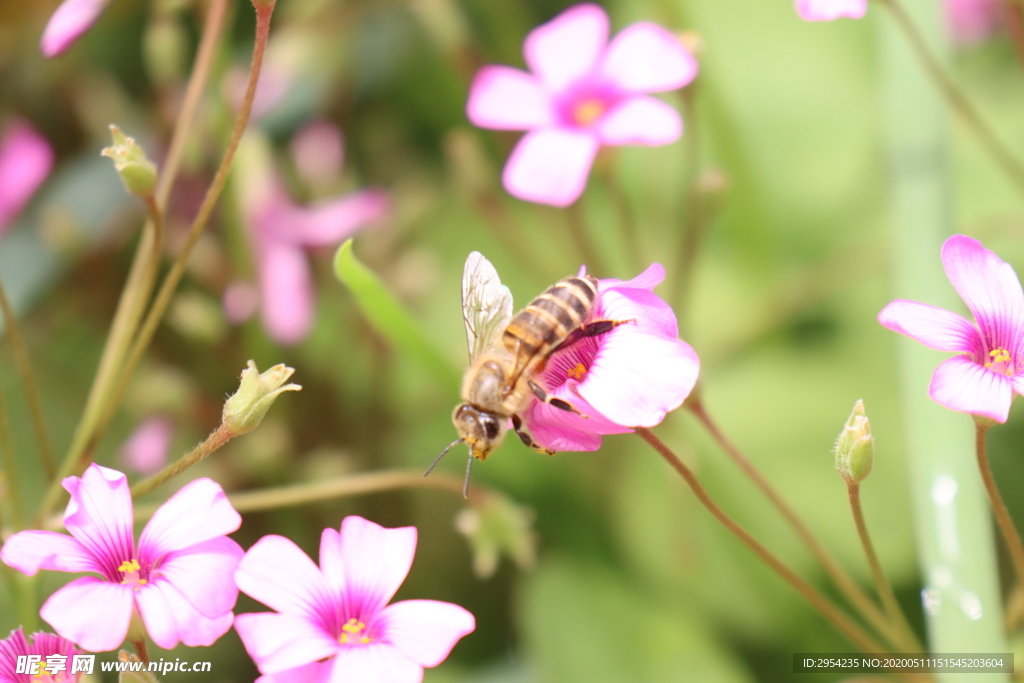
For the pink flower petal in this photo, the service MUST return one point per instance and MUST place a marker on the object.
(640, 120)
(30, 551)
(549, 432)
(99, 516)
(934, 327)
(550, 166)
(68, 23)
(91, 612)
(374, 562)
(645, 57)
(567, 47)
(503, 98)
(332, 222)
(828, 10)
(280, 642)
(205, 575)
(318, 150)
(317, 672)
(276, 572)
(170, 619)
(286, 292)
(425, 631)
(374, 663)
(240, 302)
(198, 512)
(146, 449)
(25, 160)
(961, 384)
(649, 279)
(972, 21)
(637, 377)
(560, 430)
(647, 310)
(990, 289)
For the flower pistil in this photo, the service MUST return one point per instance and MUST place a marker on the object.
(1000, 362)
(351, 631)
(132, 571)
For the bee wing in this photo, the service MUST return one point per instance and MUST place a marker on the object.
(486, 304)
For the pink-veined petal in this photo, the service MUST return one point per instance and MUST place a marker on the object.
(279, 642)
(647, 311)
(991, 290)
(645, 57)
(25, 161)
(934, 327)
(276, 572)
(99, 516)
(68, 23)
(317, 672)
(30, 551)
(653, 276)
(170, 618)
(332, 222)
(286, 292)
(503, 98)
(637, 377)
(375, 562)
(198, 512)
(425, 631)
(829, 10)
(560, 430)
(568, 47)
(374, 663)
(91, 612)
(205, 574)
(550, 166)
(640, 120)
(961, 384)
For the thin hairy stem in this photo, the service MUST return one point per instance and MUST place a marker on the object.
(849, 588)
(581, 238)
(213, 442)
(1003, 520)
(141, 649)
(846, 626)
(24, 364)
(882, 585)
(12, 483)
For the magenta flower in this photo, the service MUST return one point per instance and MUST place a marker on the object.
(146, 449)
(829, 10)
(68, 23)
(972, 21)
(333, 623)
(629, 377)
(43, 645)
(583, 92)
(177, 578)
(990, 367)
(25, 160)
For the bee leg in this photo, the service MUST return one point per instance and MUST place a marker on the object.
(591, 329)
(544, 396)
(517, 424)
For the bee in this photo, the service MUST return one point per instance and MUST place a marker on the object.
(507, 354)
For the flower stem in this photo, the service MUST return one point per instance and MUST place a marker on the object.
(12, 484)
(846, 626)
(956, 98)
(882, 585)
(21, 359)
(1014, 18)
(141, 649)
(999, 509)
(849, 588)
(584, 244)
(214, 441)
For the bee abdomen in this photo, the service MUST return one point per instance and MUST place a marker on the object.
(552, 316)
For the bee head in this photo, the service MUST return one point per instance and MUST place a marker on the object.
(482, 431)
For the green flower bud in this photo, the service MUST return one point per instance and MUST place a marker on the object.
(137, 172)
(496, 525)
(245, 409)
(855, 447)
(134, 676)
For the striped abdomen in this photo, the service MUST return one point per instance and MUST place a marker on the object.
(549, 319)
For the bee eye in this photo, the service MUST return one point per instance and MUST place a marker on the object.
(492, 428)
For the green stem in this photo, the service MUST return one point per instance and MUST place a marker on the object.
(846, 626)
(24, 363)
(218, 438)
(1002, 514)
(11, 481)
(141, 649)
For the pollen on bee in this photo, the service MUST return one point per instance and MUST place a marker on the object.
(577, 372)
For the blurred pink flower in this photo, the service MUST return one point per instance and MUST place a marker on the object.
(318, 151)
(146, 449)
(828, 10)
(972, 21)
(178, 578)
(333, 623)
(68, 23)
(25, 161)
(583, 92)
(43, 645)
(629, 377)
(983, 379)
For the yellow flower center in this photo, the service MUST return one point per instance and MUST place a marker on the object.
(586, 112)
(577, 372)
(350, 633)
(1000, 361)
(132, 574)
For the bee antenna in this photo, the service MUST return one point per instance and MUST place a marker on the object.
(469, 468)
(438, 458)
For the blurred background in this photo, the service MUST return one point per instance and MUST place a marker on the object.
(630, 579)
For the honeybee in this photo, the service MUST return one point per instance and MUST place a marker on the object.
(507, 354)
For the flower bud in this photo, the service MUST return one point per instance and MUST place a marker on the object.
(134, 676)
(496, 525)
(855, 447)
(137, 172)
(245, 409)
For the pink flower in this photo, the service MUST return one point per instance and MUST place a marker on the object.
(829, 10)
(629, 377)
(68, 23)
(990, 367)
(25, 161)
(146, 449)
(333, 623)
(583, 92)
(318, 151)
(177, 578)
(43, 645)
(972, 21)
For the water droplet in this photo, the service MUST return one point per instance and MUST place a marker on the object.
(944, 490)
(971, 605)
(940, 577)
(931, 600)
